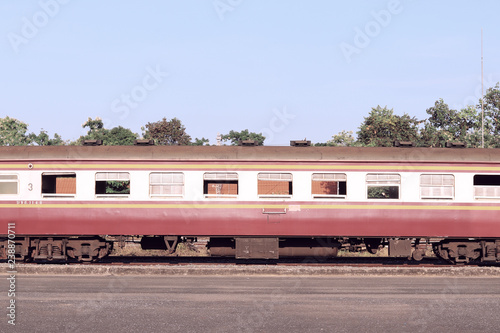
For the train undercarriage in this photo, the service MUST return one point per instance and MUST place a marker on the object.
(55, 249)
(61, 249)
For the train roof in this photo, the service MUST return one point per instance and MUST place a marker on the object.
(259, 153)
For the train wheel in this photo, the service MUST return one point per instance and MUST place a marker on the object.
(20, 248)
(418, 254)
(88, 249)
(458, 252)
(49, 249)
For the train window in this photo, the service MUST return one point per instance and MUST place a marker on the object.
(437, 186)
(486, 187)
(112, 184)
(274, 184)
(166, 184)
(58, 185)
(383, 186)
(220, 184)
(329, 185)
(8, 184)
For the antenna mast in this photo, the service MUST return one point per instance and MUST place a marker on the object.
(482, 93)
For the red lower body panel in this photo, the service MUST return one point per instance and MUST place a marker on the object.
(224, 218)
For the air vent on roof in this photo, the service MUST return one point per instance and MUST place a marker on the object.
(455, 144)
(92, 142)
(300, 143)
(248, 143)
(398, 143)
(144, 142)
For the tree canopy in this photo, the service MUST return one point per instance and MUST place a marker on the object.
(167, 132)
(113, 137)
(236, 137)
(380, 128)
(14, 132)
(200, 142)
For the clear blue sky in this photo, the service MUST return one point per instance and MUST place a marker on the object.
(290, 69)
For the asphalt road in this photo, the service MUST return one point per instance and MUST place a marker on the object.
(66, 303)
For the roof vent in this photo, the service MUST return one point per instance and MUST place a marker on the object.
(92, 142)
(248, 143)
(144, 142)
(300, 143)
(455, 144)
(398, 143)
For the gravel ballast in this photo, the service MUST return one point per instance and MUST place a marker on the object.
(223, 269)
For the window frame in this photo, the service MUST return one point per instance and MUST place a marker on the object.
(475, 187)
(334, 180)
(382, 183)
(220, 178)
(118, 179)
(11, 180)
(52, 178)
(276, 179)
(161, 183)
(442, 185)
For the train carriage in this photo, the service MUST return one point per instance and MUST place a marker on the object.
(72, 202)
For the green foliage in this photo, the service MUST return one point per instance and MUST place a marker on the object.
(14, 132)
(236, 137)
(382, 127)
(445, 124)
(342, 139)
(383, 192)
(167, 132)
(95, 125)
(117, 136)
(200, 142)
(492, 108)
(491, 117)
(43, 139)
(96, 131)
(117, 187)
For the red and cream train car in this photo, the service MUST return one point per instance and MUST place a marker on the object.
(64, 202)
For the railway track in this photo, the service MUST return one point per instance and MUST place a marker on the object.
(297, 262)
(192, 266)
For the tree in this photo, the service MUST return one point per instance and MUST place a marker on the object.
(13, 132)
(167, 132)
(200, 142)
(96, 130)
(342, 139)
(492, 107)
(236, 137)
(43, 139)
(491, 117)
(117, 136)
(382, 127)
(120, 136)
(445, 124)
